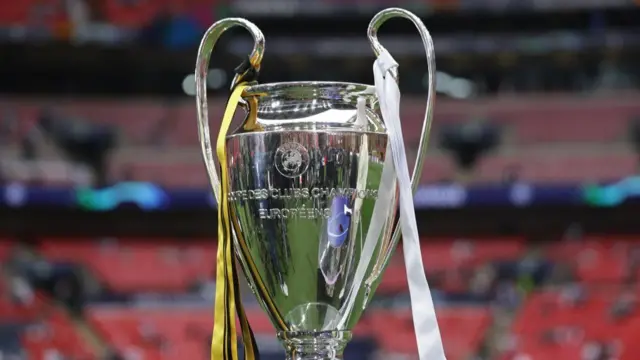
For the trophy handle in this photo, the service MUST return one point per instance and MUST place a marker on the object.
(202, 66)
(372, 33)
(427, 42)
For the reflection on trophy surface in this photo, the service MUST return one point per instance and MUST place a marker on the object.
(308, 198)
(304, 173)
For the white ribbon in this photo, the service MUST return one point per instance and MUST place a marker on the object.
(376, 225)
(424, 316)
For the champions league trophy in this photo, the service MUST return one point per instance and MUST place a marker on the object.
(308, 195)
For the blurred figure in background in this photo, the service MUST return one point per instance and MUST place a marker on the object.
(82, 143)
(468, 143)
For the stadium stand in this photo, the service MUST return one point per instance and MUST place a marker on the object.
(469, 274)
(160, 268)
(164, 332)
(504, 298)
(558, 118)
(157, 329)
(147, 308)
(128, 15)
(31, 323)
(560, 316)
(546, 140)
(559, 324)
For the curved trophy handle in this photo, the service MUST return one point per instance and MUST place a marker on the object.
(427, 42)
(202, 66)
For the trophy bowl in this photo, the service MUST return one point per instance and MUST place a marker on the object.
(312, 194)
(304, 171)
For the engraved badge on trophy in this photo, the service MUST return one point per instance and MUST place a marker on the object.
(308, 192)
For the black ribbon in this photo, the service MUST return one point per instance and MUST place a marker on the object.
(246, 72)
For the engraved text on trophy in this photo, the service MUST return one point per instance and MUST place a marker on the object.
(295, 193)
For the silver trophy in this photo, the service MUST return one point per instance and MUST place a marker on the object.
(304, 175)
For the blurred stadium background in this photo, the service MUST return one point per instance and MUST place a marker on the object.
(528, 210)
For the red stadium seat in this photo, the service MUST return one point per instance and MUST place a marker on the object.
(48, 14)
(394, 278)
(12, 311)
(449, 256)
(47, 329)
(594, 260)
(550, 327)
(165, 333)
(552, 118)
(559, 167)
(55, 335)
(161, 332)
(15, 12)
(443, 254)
(188, 175)
(136, 119)
(131, 14)
(535, 123)
(6, 246)
(572, 126)
(138, 266)
(20, 310)
(462, 329)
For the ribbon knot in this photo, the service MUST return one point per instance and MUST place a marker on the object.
(385, 63)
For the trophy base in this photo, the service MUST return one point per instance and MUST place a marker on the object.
(314, 345)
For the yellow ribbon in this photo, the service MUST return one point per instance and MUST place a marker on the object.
(227, 300)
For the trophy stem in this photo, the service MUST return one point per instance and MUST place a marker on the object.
(314, 345)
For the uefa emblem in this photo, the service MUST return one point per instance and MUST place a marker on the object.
(292, 159)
